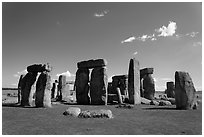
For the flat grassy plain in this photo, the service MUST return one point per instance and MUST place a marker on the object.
(141, 120)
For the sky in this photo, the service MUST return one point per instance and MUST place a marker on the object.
(165, 36)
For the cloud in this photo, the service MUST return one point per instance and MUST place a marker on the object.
(129, 39)
(67, 74)
(170, 30)
(23, 72)
(192, 34)
(195, 44)
(135, 53)
(101, 14)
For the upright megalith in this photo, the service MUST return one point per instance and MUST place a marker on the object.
(26, 85)
(134, 82)
(184, 91)
(120, 81)
(43, 90)
(99, 86)
(20, 88)
(82, 86)
(148, 86)
(54, 90)
(147, 83)
(170, 89)
(61, 86)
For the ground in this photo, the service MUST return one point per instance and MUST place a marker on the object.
(141, 120)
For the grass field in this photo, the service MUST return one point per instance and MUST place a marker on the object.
(141, 120)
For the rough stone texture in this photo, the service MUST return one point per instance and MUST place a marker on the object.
(184, 90)
(112, 98)
(36, 68)
(141, 88)
(82, 86)
(154, 102)
(145, 71)
(61, 85)
(27, 81)
(66, 93)
(43, 90)
(110, 88)
(134, 82)
(149, 87)
(120, 81)
(32, 95)
(164, 103)
(72, 111)
(126, 106)
(99, 86)
(172, 100)
(54, 90)
(119, 96)
(19, 88)
(102, 113)
(145, 101)
(170, 89)
(92, 63)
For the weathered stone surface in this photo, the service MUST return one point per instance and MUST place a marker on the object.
(110, 88)
(72, 111)
(82, 86)
(126, 106)
(154, 102)
(164, 103)
(98, 86)
(134, 82)
(112, 98)
(61, 86)
(146, 71)
(149, 87)
(172, 100)
(27, 81)
(145, 101)
(39, 67)
(19, 88)
(119, 96)
(170, 89)
(92, 63)
(54, 90)
(33, 92)
(120, 81)
(102, 113)
(184, 90)
(43, 90)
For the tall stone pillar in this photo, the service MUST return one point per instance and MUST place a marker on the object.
(98, 86)
(82, 86)
(149, 87)
(26, 85)
(20, 88)
(184, 91)
(121, 81)
(54, 90)
(61, 86)
(134, 82)
(43, 90)
(170, 89)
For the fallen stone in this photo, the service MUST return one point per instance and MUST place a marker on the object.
(184, 90)
(154, 102)
(145, 101)
(102, 113)
(72, 111)
(134, 82)
(164, 103)
(172, 100)
(92, 63)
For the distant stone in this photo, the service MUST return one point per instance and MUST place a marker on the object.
(145, 101)
(170, 89)
(164, 103)
(82, 86)
(149, 87)
(99, 86)
(145, 71)
(92, 63)
(184, 90)
(72, 111)
(128, 106)
(20, 88)
(172, 100)
(102, 113)
(120, 81)
(112, 98)
(134, 82)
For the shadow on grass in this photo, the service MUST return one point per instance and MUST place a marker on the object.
(161, 108)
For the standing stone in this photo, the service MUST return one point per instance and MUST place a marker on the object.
(82, 86)
(170, 89)
(43, 90)
(66, 93)
(54, 90)
(134, 82)
(121, 81)
(33, 92)
(98, 86)
(26, 85)
(20, 88)
(184, 91)
(110, 88)
(149, 87)
(62, 87)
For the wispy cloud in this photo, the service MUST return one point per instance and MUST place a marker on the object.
(18, 74)
(170, 30)
(195, 44)
(67, 74)
(135, 53)
(129, 39)
(192, 34)
(101, 14)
